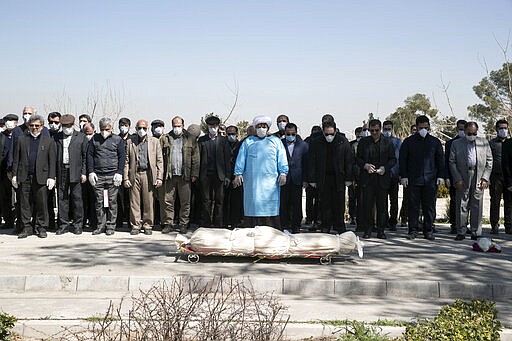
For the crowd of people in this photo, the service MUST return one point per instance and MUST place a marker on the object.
(99, 179)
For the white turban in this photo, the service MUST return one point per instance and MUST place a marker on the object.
(262, 119)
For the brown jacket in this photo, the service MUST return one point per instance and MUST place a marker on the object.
(190, 155)
(156, 162)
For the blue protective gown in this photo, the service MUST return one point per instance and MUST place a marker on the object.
(260, 161)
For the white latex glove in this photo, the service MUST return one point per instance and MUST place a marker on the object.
(369, 168)
(447, 183)
(50, 183)
(282, 179)
(312, 184)
(158, 183)
(93, 179)
(440, 182)
(14, 182)
(127, 184)
(83, 178)
(118, 179)
(381, 170)
(404, 182)
(348, 183)
(237, 182)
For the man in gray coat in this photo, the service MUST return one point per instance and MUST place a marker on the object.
(470, 166)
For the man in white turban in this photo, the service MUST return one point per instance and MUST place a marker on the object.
(262, 167)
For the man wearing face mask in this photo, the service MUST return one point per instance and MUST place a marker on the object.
(421, 171)
(83, 120)
(54, 128)
(157, 128)
(233, 198)
(282, 121)
(6, 195)
(24, 129)
(262, 167)
(353, 191)
(71, 174)
(123, 194)
(54, 123)
(181, 168)
(88, 194)
(142, 174)
(291, 192)
(312, 198)
(470, 165)
(497, 183)
(330, 169)
(33, 173)
(214, 173)
(106, 159)
(387, 131)
(449, 179)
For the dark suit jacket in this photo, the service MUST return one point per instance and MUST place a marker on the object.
(222, 157)
(343, 161)
(422, 160)
(506, 162)
(387, 159)
(77, 155)
(45, 161)
(297, 162)
(447, 147)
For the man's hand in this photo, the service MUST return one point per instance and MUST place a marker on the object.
(312, 184)
(118, 179)
(14, 182)
(127, 183)
(439, 182)
(93, 179)
(459, 185)
(193, 178)
(381, 170)
(447, 183)
(404, 182)
(237, 182)
(282, 179)
(369, 168)
(348, 183)
(483, 184)
(50, 183)
(305, 185)
(83, 178)
(227, 182)
(158, 183)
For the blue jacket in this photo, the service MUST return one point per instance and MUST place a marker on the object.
(106, 156)
(297, 162)
(395, 170)
(422, 160)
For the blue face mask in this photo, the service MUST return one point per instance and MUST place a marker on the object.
(290, 138)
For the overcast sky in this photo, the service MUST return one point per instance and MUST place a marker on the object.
(301, 58)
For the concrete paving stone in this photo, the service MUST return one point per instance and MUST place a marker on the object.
(12, 283)
(271, 285)
(465, 290)
(308, 286)
(146, 283)
(416, 288)
(501, 290)
(349, 287)
(102, 283)
(50, 283)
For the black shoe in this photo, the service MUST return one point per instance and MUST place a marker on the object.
(453, 230)
(183, 229)
(381, 235)
(98, 231)
(474, 236)
(61, 231)
(134, 232)
(148, 232)
(109, 232)
(366, 236)
(468, 231)
(78, 230)
(42, 233)
(24, 234)
(411, 236)
(429, 236)
(460, 237)
(166, 229)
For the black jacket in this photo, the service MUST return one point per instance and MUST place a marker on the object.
(422, 160)
(297, 162)
(222, 157)
(45, 161)
(106, 156)
(77, 155)
(386, 158)
(506, 162)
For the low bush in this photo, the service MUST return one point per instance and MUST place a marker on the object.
(6, 324)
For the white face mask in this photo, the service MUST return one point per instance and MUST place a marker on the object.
(212, 131)
(261, 132)
(54, 126)
(105, 133)
(471, 138)
(142, 132)
(423, 132)
(329, 138)
(366, 133)
(461, 133)
(281, 126)
(82, 125)
(231, 138)
(158, 131)
(387, 133)
(89, 137)
(177, 130)
(124, 129)
(26, 117)
(35, 134)
(10, 125)
(502, 132)
(68, 131)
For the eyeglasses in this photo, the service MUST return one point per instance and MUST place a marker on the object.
(387, 129)
(290, 134)
(374, 130)
(50, 122)
(138, 128)
(330, 134)
(471, 134)
(34, 125)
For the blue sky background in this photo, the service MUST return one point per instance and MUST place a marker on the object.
(302, 58)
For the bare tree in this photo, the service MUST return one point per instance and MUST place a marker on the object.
(445, 87)
(235, 91)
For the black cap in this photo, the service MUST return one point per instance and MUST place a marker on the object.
(212, 120)
(158, 123)
(11, 117)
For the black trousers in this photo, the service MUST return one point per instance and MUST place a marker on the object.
(404, 210)
(312, 205)
(123, 206)
(393, 203)
(291, 206)
(421, 198)
(6, 202)
(352, 201)
(374, 197)
(106, 216)
(333, 205)
(233, 205)
(212, 194)
(32, 200)
(89, 205)
(70, 199)
(497, 190)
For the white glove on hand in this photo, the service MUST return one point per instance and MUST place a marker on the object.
(440, 182)
(369, 168)
(127, 184)
(118, 179)
(50, 183)
(282, 179)
(447, 183)
(93, 179)
(237, 182)
(14, 182)
(312, 184)
(381, 170)
(404, 182)
(158, 183)
(348, 183)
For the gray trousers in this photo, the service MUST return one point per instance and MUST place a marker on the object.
(141, 202)
(106, 215)
(470, 201)
(167, 194)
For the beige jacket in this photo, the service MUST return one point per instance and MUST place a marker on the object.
(155, 160)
